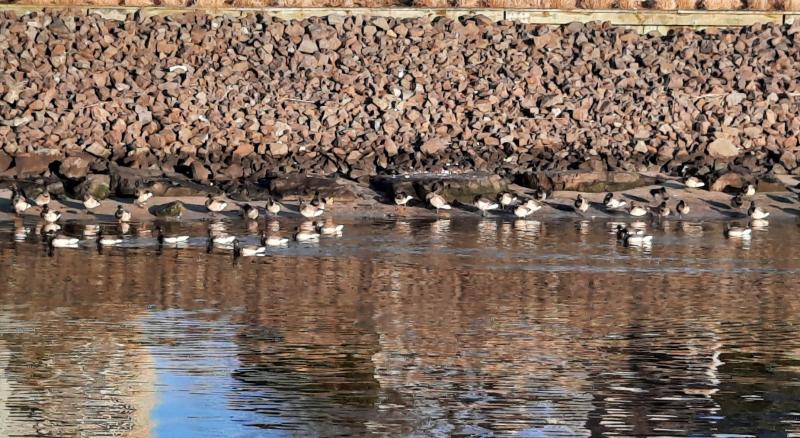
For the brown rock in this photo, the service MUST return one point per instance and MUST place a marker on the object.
(33, 164)
(74, 167)
(435, 145)
(722, 149)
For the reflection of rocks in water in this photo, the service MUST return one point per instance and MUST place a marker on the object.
(463, 327)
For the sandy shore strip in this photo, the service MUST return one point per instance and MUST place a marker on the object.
(705, 205)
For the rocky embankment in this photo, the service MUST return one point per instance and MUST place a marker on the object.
(233, 101)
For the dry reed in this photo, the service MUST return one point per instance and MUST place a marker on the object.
(596, 4)
(722, 5)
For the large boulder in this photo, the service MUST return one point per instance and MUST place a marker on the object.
(590, 182)
(169, 210)
(74, 167)
(461, 187)
(33, 164)
(722, 149)
(99, 186)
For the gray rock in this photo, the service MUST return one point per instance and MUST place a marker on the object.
(172, 209)
(98, 186)
(722, 149)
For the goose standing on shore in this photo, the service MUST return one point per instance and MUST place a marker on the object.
(249, 212)
(748, 190)
(272, 206)
(541, 194)
(581, 204)
(506, 200)
(18, 201)
(756, 212)
(660, 193)
(42, 198)
(533, 205)
(636, 210)
(402, 199)
(90, 203)
(663, 210)
(737, 202)
(682, 208)
(50, 216)
(694, 182)
(215, 205)
(309, 211)
(437, 201)
(613, 203)
(142, 196)
(522, 211)
(483, 204)
(122, 215)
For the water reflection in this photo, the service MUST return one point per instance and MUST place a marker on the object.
(430, 328)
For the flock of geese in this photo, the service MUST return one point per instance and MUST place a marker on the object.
(217, 238)
(522, 206)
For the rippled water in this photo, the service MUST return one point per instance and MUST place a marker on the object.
(405, 328)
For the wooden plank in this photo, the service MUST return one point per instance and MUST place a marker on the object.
(642, 18)
(634, 19)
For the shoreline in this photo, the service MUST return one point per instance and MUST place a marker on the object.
(369, 204)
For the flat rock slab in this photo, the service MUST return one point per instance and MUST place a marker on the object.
(178, 188)
(174, 209)
(293, 187)
(460, 187)
(588, 182)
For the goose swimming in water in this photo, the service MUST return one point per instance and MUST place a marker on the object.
(55, 240)
(309, 211)
(736, 231)
(272, 240)
(483, 204)
(90, 203)
(635, 238)
(682, 208)
(756, 212)
(273, 207)
(637, 210)
(580, 204)
(694, 182)
(103, 240)
(613, 203)
(506, 199)
(437, 201)
(247, 251)
(170, 240)
(142, 196)
(215, 205)
(249, 212)
(122, 215)
(621, 231)
(220, 238)
(304, 235)
(50, 216)
(328, 228)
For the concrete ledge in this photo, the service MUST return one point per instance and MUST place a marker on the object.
(642, 20)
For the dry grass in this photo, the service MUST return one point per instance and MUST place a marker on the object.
(722, 5)
(596, 4)
(791, 5)
(760, 5)
(687, 4)
(663, 5)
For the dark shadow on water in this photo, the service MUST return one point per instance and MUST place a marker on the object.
(562, 207)
(69, 203)
(730, 214)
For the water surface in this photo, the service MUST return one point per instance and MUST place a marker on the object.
(442, 328)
